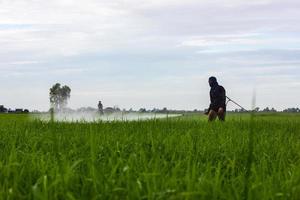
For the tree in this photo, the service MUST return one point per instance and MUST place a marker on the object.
(267, 109)
(142, 110)
(165, 110)
(3, 109)
(59, 96)
(292, 110)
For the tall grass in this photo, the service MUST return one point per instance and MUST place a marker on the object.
(182, 158)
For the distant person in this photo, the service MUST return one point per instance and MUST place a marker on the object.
(217, 107)
(100, 108)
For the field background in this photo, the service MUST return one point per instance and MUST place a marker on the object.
(175, 158)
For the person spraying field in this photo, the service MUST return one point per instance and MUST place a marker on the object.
(100, 108)
(217, 107)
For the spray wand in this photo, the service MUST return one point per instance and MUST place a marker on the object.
(229, 99)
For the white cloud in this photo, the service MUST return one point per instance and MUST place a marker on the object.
(75, 27)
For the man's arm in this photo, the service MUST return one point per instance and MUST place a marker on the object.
(214, 99)
(223, 95)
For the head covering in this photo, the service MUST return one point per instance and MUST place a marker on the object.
(212, 81)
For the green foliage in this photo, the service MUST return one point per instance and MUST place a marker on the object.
(59, 96)
(182, 158)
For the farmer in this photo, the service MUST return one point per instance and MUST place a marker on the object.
(217, 107)
(100, 108)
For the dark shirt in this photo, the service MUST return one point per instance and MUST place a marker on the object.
(217, 97)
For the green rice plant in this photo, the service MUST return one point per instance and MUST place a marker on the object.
(174, 158)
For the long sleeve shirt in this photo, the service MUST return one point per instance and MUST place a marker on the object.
(217, 97)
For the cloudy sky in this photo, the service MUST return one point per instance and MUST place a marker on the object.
(149, 53)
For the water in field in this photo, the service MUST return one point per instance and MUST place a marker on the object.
(92, 117)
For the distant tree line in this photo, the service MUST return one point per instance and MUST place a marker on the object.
(292, 110)
(257, 109)
(271, 110)
(8, 110)
(155, 110)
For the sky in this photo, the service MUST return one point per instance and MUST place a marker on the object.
(150, 53)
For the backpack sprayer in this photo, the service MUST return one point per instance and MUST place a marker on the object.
(229, 99)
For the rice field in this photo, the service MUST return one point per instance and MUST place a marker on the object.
(176, 158)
